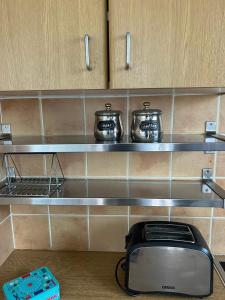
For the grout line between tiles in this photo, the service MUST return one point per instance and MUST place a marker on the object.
(186, 178)
(218, 113)
(113, 215)
(169, 213)
(1, 112)
(88, 227)
(41, 116)
(70, 215)
(128, 167)
(44, 165)
(50, 214)
(104, 216)
(191, 217)
(125, 177)
(210, 228)
(107, 177)
(84, 115)
(11, 223)
(42, 133)
(34, 215)
(130, 178)
(13, 232)
(217, 130)
(49, 227)
(150, 217)
(86, 165)
(117, 177)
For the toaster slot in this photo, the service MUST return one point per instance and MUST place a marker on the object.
(181, 233)
(168, 228)
(169, 236)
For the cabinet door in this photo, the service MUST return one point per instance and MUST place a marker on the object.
(174, 43)
(42, 44)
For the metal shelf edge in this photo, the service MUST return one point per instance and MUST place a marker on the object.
(80, 143)
(129, 147)
(103, 192)
(216, 203)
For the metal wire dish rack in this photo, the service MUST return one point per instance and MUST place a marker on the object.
(16, 185)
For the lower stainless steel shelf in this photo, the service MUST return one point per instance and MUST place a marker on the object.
(127, 192)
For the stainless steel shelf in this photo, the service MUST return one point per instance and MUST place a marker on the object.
(128, 192)
(50, 144)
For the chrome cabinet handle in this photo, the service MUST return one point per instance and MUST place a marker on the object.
(128, 50)
(87, 52)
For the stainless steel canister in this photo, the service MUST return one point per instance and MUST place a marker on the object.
(108, 124)
(146, 124)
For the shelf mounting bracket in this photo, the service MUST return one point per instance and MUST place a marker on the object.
(207, 174)
(207, 180)
(210, 127)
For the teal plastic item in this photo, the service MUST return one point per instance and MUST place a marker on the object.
(39, 284)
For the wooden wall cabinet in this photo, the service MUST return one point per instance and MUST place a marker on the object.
(42, 44)
(174, 43)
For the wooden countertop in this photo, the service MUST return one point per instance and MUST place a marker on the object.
(82, 275)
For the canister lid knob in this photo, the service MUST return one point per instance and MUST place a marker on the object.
(108, 106)
(146, 105)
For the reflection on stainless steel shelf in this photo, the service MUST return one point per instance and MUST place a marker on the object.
(154, 139)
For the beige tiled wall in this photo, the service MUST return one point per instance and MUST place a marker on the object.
(104, 228)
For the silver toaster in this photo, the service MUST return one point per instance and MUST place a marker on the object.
(167, 257)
